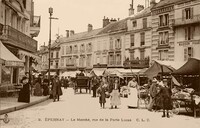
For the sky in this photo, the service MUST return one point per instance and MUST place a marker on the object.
(77, 14)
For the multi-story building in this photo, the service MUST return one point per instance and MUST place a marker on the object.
(187, 28)
(138, 38)
(18, 26)
(109, 50)
(163, 36)
(76, 50)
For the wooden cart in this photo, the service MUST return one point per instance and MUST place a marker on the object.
(81, 82)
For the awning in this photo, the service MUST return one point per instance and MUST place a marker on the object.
(191, 67)
(98, 71)
(7, 71)
(29, 54)
(10, 58)
(70, 73)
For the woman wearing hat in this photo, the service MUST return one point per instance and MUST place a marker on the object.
(24, 95)
(56, 88)
(115, 95)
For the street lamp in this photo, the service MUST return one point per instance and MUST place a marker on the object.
(50, 12)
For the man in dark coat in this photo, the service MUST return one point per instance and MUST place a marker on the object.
(94, 85)
(153, 92)
(166, 98)
(56, 88)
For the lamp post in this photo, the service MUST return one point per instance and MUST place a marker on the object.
(51, 13)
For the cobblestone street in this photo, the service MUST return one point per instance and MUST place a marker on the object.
(81, 110)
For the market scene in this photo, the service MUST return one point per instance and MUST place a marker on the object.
(131, 72)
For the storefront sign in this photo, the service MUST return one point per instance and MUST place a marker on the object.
(185, 43)
(14, 64)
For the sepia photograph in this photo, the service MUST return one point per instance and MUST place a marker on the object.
(99, 63)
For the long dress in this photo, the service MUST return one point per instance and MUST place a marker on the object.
(24, 94)
(133, 97)
(115, 96)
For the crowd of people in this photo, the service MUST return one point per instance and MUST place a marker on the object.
(103, 87)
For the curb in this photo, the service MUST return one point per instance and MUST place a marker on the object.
(8, 110)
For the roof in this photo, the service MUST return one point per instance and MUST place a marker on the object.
(79, 36)
(115, 26)
(166, 2)
(145, 12)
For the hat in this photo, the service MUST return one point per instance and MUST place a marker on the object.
(24, 78)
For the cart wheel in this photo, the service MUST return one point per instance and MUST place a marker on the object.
(176, 107)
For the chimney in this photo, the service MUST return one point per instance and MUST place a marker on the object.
(90, 27)
(67, 33)
(105, 21)
(131, 9)
(153, 2)
(71, 33)
(140, 8)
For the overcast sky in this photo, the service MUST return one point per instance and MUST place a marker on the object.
(77, 14)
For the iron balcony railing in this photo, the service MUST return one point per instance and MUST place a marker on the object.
(19, 39)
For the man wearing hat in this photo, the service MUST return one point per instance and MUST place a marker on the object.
(56, 88)
(166, 93)
(153, 92)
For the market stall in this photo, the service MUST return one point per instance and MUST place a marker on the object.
(189, 77)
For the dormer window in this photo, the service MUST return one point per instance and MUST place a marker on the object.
(134, 23)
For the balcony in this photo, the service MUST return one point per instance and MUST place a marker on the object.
(18, 39)
(181, 21)
(188, 42)
(35, 26)
(114, 64)
(136, 63)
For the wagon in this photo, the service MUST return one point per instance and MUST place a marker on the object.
(81, 82)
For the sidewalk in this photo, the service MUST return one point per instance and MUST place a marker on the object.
(10, 104)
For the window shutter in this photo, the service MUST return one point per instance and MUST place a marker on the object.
(186, 33)
(183, 14)
(192, 32)
(191, 13)
(185, 54)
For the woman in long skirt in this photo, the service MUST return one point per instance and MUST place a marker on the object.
(115, 95)
(133, 97)
(24, 94)
(102, 92)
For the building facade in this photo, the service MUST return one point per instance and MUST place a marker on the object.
(187, 28)
(138, 39)
(18, 27)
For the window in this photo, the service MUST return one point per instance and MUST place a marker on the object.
(75, 49)
(70, 49)
(144, 22)
(111, 43)
(51, 54)
(82, 48)
(118, 59)
(163, 55)
(98, 60)
(111, 59)
(142, 39)
(118, 43)
(104, 60)
(57, 54)
(164, 20)
(89, 58)
(62, 62)
(67, 49)
(51, 63)
(132, 57)
(89, 47)
(142, 54)
(63, 50)
(189, 31)
(163, 38)
(56, 64)
(134, 23)
(132, 40)
(188, 53)
(187, 13)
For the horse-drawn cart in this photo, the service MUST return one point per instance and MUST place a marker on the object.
(81, 82)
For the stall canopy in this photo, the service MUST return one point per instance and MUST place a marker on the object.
(163, 67)
(10, 58)
(191, 67)
(97, 72)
